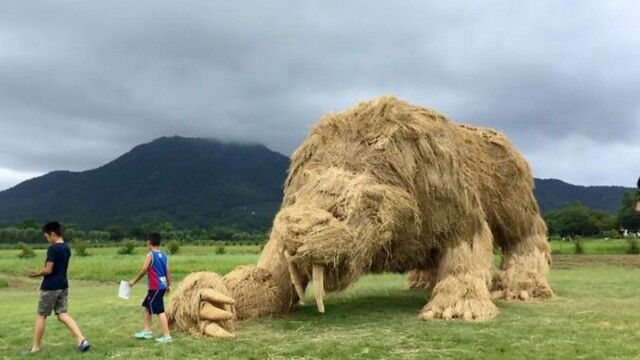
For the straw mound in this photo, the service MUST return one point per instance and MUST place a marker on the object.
(184, 311)
(254, 291)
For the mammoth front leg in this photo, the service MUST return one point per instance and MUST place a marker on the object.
(461, 290)
(525, 263)
(202, 304)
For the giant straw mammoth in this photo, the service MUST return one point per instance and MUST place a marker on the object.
(388, 186)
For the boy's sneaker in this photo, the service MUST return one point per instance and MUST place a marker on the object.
(143, 335)
(164, 340)
(27, 352)
(83, 346)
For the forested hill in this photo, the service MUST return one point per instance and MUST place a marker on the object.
(552, 193)
(191, 181)
(187, 181)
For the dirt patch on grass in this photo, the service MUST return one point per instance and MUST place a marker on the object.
(572, 261)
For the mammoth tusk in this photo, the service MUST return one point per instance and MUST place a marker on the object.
(295, 278)
(318, 286)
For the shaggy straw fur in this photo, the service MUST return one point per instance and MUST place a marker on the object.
(388, 186)
(421, 279)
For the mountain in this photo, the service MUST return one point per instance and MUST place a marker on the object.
(552, 194)
(191, 181)
(187, 181)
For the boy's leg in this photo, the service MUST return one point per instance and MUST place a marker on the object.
(71, 325)
(158, 308)
(66, 319)
(38, 330)
(164, 324)
(147, 310)
(46, 303)
(147, 319)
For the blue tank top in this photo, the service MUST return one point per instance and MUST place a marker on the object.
(157, 271)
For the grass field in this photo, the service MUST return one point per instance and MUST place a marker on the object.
(594, 316)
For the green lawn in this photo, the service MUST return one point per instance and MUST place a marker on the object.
(105, 264)
(592, 246)
(594, 316)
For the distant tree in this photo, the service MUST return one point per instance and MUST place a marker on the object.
(29, 224)
(572, 220)
(98, 236)
(604, 221)
(166, 229)
(627, 216)
(241, 236)
(115, 233)
(137, 232)
(70, 226)
(221, 233)
(31, 235)
(73, 234)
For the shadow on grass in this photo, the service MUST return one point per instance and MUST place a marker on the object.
(351, 309)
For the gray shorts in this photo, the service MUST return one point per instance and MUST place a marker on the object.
(51, 300)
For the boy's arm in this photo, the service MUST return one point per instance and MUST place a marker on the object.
(169, 281)
(143, 270)
(46, 270)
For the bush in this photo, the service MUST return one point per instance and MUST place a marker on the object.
(26, 251)
(611, 234)
(633, 247)
(220, 250)
(579, 245)
(174, 247)
(128, 247)
(4, 283)
(80, 247)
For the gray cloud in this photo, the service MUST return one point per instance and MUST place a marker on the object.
(82, 82)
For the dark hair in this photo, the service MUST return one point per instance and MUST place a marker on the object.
(154, 238)
(639, 183)
(52, 227)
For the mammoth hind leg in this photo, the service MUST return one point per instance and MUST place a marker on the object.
(525, 263)
(461, 290)
(421, 279)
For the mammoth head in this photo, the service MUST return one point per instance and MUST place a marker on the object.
(318, 247)
(334, 222)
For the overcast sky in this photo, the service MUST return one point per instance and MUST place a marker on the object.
(82, 82)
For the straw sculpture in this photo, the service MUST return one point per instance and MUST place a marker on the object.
(389, 186)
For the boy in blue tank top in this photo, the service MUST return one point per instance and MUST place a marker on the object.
(156, 267)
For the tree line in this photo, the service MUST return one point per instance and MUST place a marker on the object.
(577, 220)
(569, 220)
(29, 232)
